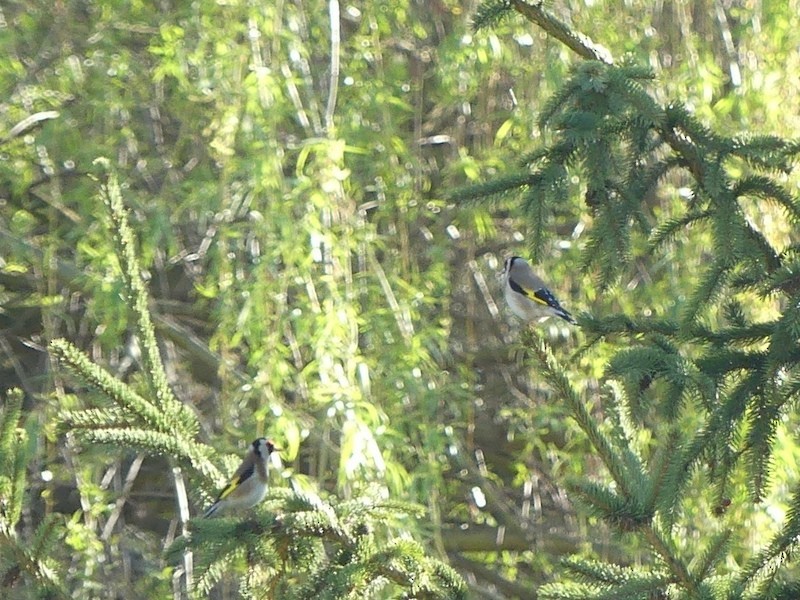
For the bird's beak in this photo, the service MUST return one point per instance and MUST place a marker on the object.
(275, 459)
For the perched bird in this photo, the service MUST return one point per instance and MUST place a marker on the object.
(526, 294)
(248, 486)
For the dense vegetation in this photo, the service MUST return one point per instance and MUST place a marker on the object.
(221, 220)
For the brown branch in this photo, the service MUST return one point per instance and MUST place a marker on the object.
(577, 42)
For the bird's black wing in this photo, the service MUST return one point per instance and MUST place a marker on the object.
(240, 476)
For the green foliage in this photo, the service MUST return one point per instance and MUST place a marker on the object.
(703, 396)
(604, 581)
(303, 547)
(489, 14)
(27, 566)
(159, 425)
(292, 540)
(286, 173)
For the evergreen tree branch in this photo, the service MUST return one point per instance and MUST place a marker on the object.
(9, 422)
(291, 532)
(95, 376)
(23, 564)
(677, 128)
(712, 555)
(624, 509)
(709, 288)
(206, 364)
(664, 470)
(495, 188)
(149, 429)
(615, 582)
(626, 513)
(555, 376)
(764, 417)
(767, 188)
(90, 418)
(15, 453)
(671, 228)
(664, 549)
(762, 569)
(622, 141)
(137, 297)
(19, 562)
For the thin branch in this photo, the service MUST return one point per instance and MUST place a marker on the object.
(333, 88)
(29, 122)
(183, 514)
(578, 43)
(676, 566)
(137, 292)
(508, 589)
(133, 472)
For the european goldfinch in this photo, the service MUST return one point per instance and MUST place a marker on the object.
(249, 483)
(526, 294)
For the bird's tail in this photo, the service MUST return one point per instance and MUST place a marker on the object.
(211, 510)
(566, 316)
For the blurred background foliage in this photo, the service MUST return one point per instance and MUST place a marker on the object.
(288, 183)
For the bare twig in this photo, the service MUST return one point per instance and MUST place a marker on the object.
(133, 472)
(333, 88)
(29, 122)
(183, 515)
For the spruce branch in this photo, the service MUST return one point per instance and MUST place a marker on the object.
(90, 418)
(763, 419)
(9, 422)
(134, 421)
(612, 581)
(668, 230)
(626, 513)
(20, 564)
(490, 14)
(674, 124)
(762, 570)
(125, 242)
(494, 188)
(555, 376)
(662, 490)
(155, 443)
(23, 563)
(15, 454)
(606, 126)
(766, 188)
(623, 508)
(714, 552)
(318, 549)
(95, 376)
(715, 440)
(709, 288)
(660, 543)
